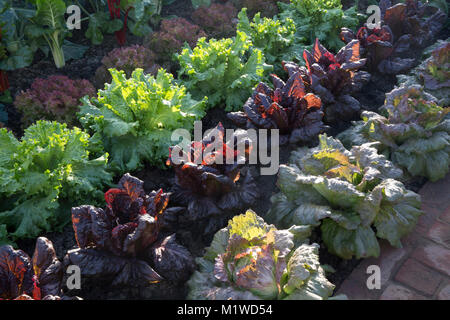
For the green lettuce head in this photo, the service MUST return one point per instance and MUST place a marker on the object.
(250, 259)
(414, 132)
(349, 194)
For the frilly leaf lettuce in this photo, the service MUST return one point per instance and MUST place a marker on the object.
(50, 168)
(250, 259)
(346, 193)
(224, 70)
(275, 38)
(414, 132)
(135, 117)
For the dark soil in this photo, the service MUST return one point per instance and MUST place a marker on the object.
(371, 98)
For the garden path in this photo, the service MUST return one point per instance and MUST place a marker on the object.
(419, 270)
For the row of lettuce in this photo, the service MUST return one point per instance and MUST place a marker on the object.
(354, 194)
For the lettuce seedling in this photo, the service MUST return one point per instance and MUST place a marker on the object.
(351, 194)
(123, 243)
(414, 132)
(22, 278)
(212, 189)
(251, 260)
(288, 107)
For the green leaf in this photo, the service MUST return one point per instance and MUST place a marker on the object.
(344, 243)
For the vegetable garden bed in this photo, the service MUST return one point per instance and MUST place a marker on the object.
(95, 192)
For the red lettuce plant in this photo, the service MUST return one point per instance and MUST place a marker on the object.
(403, 27)
(22, 278)
(288, 108)
(171, 37)
(421, 21)
(122, 243)
(217, 19)
(127, 59)
(378, 46)
(333, 78)
(210, 189)
(56, 98)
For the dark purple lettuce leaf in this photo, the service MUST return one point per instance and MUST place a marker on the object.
(113, 242)
(16, 273)
(173, 261)
(22, 278)
(105, 265)
(47, 268)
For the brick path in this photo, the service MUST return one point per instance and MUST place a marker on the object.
(419, 270)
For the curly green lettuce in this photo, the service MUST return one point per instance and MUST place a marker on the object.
(43, 174)
(275, 38)
(135, 117)
(224, 70)
(352, 195)
(322, 19)
(251, 260)
(413, 131)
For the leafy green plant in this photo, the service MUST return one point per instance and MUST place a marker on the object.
(49, 24)
(217, 19)
(322, 19)
(349, 193)
(15, 50)
(45, 173)
(134, 117)
(127, 59)
(225, 70)
(275, 38)
(56, 98)
(414, 132)
(251, 260)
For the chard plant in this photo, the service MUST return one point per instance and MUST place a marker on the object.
(123, 244)
(412, 130)
(134, 117)
(351, 194)
(252, 260)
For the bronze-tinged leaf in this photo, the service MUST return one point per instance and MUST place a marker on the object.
(132, 186)
(47, 268)
(295, 86)
(313, 101)
(16, 273)
(91, 225)
(171, 260)
(118, 236)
